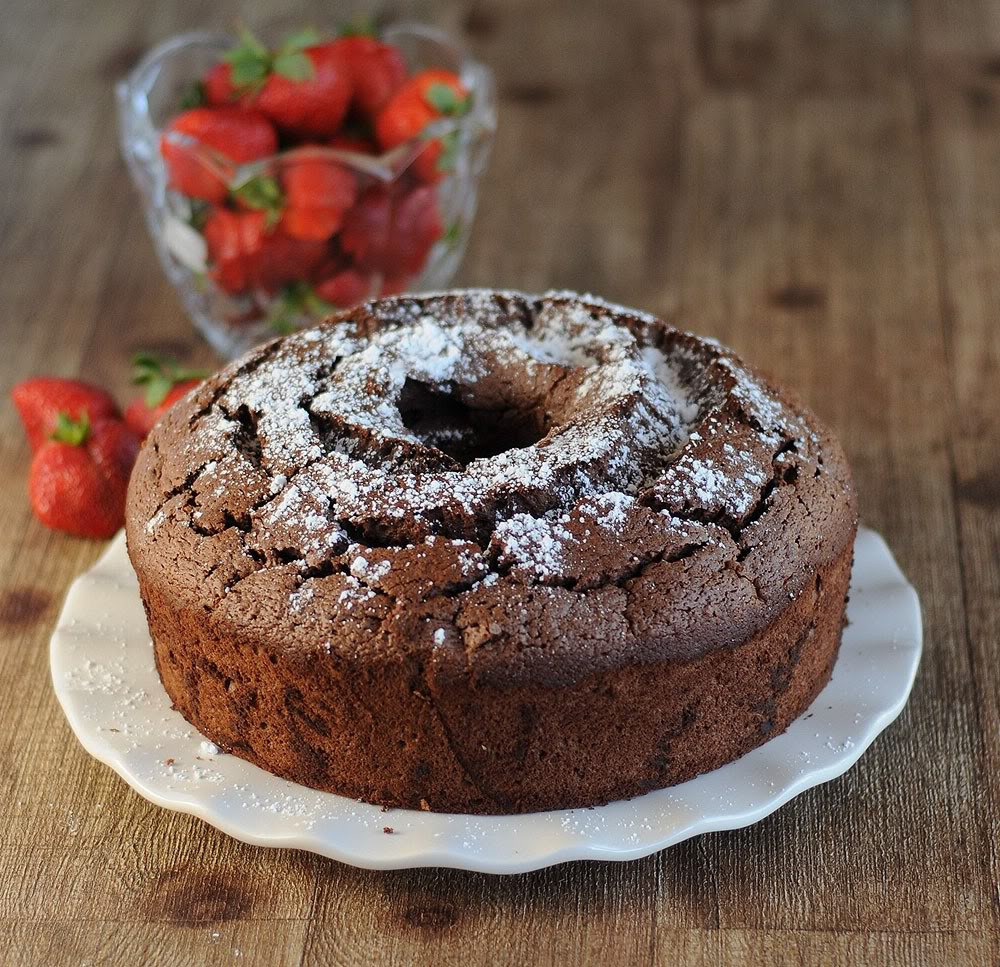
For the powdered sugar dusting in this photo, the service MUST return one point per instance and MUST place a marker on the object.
(322, 432)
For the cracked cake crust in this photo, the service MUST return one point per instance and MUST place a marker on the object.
(487, 552)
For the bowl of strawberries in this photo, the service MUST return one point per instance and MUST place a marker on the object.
(284, 180)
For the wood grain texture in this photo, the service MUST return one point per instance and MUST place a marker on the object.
(816, 182)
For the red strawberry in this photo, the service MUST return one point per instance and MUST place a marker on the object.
(392, 232)
(317, 193)
(78, 479)
(303, 87)
(365, 233)
(226, 136)
(246, 255)
(424, 98)
(394, 284)
(40, 400)
(234, 240)
(165, 383)
(283, 259)
(377, 71)
(346, 288)
(218, 86)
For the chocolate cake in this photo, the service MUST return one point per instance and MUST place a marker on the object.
(487, 552)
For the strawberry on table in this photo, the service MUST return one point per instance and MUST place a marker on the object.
(317, 193)
(40, 400)
(165, 383)
(426, 97)
(78, 478)
(303, 86)
(225, 136)
(378, 70)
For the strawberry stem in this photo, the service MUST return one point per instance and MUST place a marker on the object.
(252, 62)
(297, 303)
(262, 192)
(68, 430)
(160, 376)
(444, 99)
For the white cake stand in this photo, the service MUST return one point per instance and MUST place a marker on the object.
(104, 676)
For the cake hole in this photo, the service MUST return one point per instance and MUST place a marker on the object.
(440, 419)
(273, 659)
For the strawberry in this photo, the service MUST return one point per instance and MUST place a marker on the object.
(40, 400)
(317, 193)
(246, 255)
(284, 259)
(424, 98)
(304, 87)
(78, 479)
(225, 136)
(377, 71)
(346, 288)
(217, 86)
(234, 240)
(394, 284)
(165, 383)
(391, 231)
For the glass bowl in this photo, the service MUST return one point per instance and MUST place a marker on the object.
(236, 313)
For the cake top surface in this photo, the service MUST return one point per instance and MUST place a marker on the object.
(482, 448)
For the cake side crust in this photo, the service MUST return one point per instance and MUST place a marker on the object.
(439, 740)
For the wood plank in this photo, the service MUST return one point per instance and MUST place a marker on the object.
(959, 61)
(809, 246)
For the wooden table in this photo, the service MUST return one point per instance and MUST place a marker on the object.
(817, 183)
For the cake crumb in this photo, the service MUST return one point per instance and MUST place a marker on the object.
(388, 830)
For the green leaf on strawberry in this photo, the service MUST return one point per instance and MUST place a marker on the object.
(250, 61)
(290, 61)
(444, 100)
(296, 303)
(159, 376)
(263, 193)
(68, 430)
(295, 66)
(306, 37)
(194, 96)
